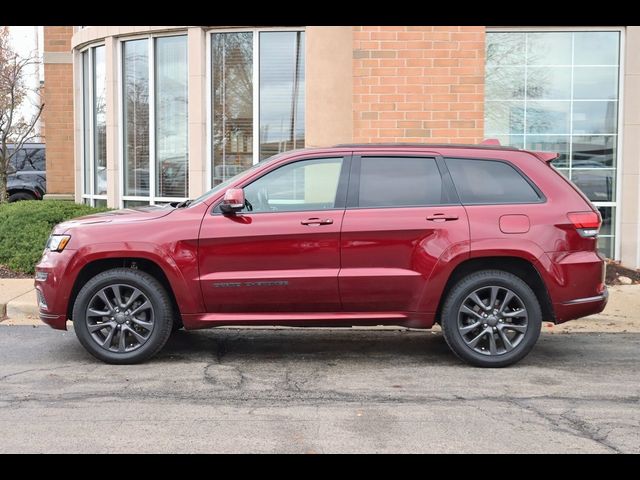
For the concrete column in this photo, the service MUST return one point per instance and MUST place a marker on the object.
(329, 90)
(198, 156)
(630, 159)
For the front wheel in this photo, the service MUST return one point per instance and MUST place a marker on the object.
(123, 316)
(491, 318)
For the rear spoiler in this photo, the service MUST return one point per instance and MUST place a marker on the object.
(546, 157)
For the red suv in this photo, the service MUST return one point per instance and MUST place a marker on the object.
(487, 241)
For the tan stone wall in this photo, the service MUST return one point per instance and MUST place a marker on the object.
(329, 91)
(418, 84)
(629, 208)
(58, 110)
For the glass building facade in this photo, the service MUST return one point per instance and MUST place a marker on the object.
(182, 126)
(559, 91)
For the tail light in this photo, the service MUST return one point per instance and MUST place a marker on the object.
(586, 223)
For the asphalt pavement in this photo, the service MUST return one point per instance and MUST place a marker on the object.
(318, 391)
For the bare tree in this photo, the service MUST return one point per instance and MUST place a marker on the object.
(15, 129)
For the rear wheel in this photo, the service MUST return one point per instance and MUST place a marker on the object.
(123, 316)
(491, 318)
(16, 197)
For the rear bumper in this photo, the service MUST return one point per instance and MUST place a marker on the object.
(581, 307)
(575, 281)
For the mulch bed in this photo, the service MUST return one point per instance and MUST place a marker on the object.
(7, 273)
(615, 270)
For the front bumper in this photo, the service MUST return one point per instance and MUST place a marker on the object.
(54, 292)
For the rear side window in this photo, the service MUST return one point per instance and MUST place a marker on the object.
(399, 182)
(490, 182)
(29, 159)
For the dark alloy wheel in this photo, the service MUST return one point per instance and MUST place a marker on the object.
(120, 318)
(491, 318)
(123, 316)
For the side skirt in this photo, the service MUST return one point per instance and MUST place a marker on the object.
(314, 319)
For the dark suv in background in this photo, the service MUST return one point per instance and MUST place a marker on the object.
(27, 178)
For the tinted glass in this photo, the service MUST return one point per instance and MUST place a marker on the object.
(100, 121)
(232, 104)
(28, 159)
(489, 182)
(171, 116)
(298, 186)
(399, 182)
(282, 86)
(135, 76)
(86, 123)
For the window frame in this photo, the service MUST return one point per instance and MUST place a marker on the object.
(341, 192)
(353, 197)
(89, 197)
(152, 198)
(256, 91)
(617, 201)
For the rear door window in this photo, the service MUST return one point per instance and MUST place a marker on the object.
(490, 182)
(399, 182)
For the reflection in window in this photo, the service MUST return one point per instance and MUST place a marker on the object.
(232, 104)
(568, 103)
(282, 84)
(100, 121)
(239, 140)
(399, 182)
(94, 124)
(171, 116)
(299, 186)
(135, 70)
(86, 122)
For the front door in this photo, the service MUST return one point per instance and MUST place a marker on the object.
(401, 218)
(282, 252)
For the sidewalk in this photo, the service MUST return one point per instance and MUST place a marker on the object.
(18, 306)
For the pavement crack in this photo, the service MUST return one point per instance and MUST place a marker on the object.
(48, 369)
(571, 424)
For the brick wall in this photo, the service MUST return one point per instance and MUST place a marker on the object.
(58, 112)
(418, 84)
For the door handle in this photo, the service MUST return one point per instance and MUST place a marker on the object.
(441, 217)
(317, 221)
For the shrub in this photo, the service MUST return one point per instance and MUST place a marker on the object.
(25, 227)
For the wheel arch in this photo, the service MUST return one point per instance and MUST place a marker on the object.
(30, 191)
(97, 266)
(519, 266)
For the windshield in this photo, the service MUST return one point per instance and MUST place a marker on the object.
(229, 181)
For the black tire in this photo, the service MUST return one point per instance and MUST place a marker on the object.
(16, 197)
(155, 293)
(468, 285)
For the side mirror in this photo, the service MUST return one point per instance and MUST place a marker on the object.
(233, 201)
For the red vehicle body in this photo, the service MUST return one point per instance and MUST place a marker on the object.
(340, 266)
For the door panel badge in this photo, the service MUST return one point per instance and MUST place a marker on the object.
(267, 283)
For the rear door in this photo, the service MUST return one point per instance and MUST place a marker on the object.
(402, 215)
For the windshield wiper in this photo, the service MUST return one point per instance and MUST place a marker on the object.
(184, 204)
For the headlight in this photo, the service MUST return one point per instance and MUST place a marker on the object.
(56, 243)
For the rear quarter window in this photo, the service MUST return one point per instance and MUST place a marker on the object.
(490, 182)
